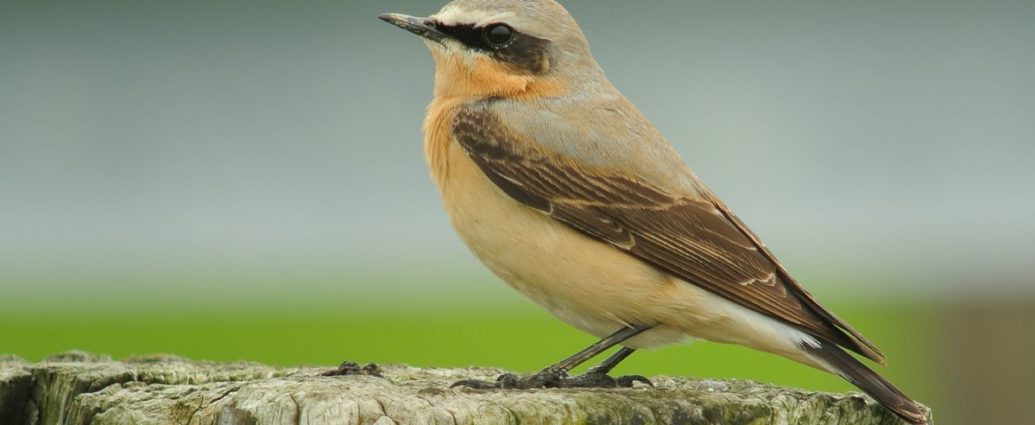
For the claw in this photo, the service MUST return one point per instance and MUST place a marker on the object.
(628, 381)
(474, 384)
(551, 379)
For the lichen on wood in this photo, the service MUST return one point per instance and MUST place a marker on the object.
(85, 389)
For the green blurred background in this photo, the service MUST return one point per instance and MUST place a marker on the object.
(243, 180)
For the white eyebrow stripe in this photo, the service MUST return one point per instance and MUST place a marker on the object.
(498, 18)
(479, 18)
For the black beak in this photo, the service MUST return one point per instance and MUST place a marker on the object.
(420, 26)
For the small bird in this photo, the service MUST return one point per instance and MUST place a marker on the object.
(561, 187)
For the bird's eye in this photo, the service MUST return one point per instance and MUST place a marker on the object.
(498, 35)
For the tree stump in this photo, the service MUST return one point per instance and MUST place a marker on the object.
(81, 388)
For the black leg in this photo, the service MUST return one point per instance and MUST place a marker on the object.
(593, 350)
(608, 365)
(556, 375)
(599, 374)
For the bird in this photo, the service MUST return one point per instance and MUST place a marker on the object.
(566, 192)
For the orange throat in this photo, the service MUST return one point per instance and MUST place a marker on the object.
(460, 79)
(475, 76)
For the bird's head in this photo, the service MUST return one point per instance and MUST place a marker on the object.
(503, 48)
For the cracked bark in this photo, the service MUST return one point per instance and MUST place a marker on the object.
(86, 389)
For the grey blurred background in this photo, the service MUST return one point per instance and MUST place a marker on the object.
(885, 150)
(887, 139)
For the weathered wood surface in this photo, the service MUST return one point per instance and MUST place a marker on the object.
(80, 388)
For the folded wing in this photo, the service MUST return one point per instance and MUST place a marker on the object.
(693, 236)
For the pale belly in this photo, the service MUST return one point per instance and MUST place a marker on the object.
(587, 284)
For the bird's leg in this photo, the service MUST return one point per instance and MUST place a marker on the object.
(556, 376)
(598, 376)
(608, 365)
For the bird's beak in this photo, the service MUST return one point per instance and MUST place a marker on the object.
(420, 26)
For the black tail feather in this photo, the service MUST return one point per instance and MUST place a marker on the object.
(869, 381)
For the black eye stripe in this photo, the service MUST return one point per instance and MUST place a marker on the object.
(468, 35)
(522, 51)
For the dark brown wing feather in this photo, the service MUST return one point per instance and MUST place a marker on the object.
(698, 240)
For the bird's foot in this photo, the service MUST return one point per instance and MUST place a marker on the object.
(508, 381)
(552, 379)
(353, 369)
(594, 379)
